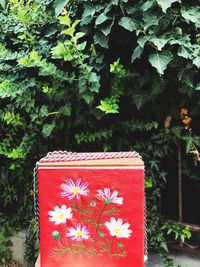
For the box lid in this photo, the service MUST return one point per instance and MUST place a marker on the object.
(65, 158)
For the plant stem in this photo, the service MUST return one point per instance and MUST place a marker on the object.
(72, 252)
(61, 244)
(111, 245)
(97, 226)
(81, 214)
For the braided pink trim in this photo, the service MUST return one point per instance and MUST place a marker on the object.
(73, 156)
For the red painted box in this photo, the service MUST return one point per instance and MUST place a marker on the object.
(91, 209)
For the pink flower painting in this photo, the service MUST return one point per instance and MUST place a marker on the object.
(79, 233)
(109, 197)
(75, 189)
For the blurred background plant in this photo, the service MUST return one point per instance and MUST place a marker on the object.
(96, 76)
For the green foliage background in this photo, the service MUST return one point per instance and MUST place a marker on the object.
(96, 76)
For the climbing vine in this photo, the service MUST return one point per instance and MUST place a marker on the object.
(97, 76)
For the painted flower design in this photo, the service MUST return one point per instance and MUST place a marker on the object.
(79, 233)
(56, 235)
(109, 197)
(95, 211)
(60, 215)
(118, 229)
(73, 189)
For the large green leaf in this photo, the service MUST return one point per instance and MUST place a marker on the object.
(165, 4)
(159, 42)
(44, 111)
(150, 19)
(142, 40)
(101, 40)
(65, 110)
(102, 18)
(129, 23)
(184, 52)
(160, 60)
(89, 10)
(106, 27)
(88, 13)
(191, 14)
(196, 61)
(136, 53)
(47, 129)
(59, 5)
(109, 106)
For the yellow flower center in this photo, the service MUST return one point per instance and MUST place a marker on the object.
(79, 233)
(61, 216)
(117, 230)
(76, 191)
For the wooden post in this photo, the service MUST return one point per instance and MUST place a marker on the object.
(180, 193)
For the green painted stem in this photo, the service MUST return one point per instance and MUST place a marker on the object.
(97, 225)
(111, 245)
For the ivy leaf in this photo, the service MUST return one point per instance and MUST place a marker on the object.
(196, 61)
(44, 111)
(198, 86)
(59, 5)
(58, 51)
(89, 10)
(184, 52)
(88, 13)
(94, 80)
(47, 129)
(142, 40)
(159, 42)
(88, 97)
(148, 183)
(65, 110)
(140, 99)
(101, 39)
(191, 14)
(136, 53)
(101, 19)
(3, 3)
(148, 4)
(106, 27)
(116, 2)
(160, 60)
(109, 106)
(165, 4)
(150, 19)
(129, 24)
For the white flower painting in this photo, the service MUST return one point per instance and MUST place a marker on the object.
(60, 215)
(118, 229)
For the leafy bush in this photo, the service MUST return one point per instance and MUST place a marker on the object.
(5, 243)
(96, 76)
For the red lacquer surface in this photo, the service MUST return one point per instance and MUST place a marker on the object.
(101, 248)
